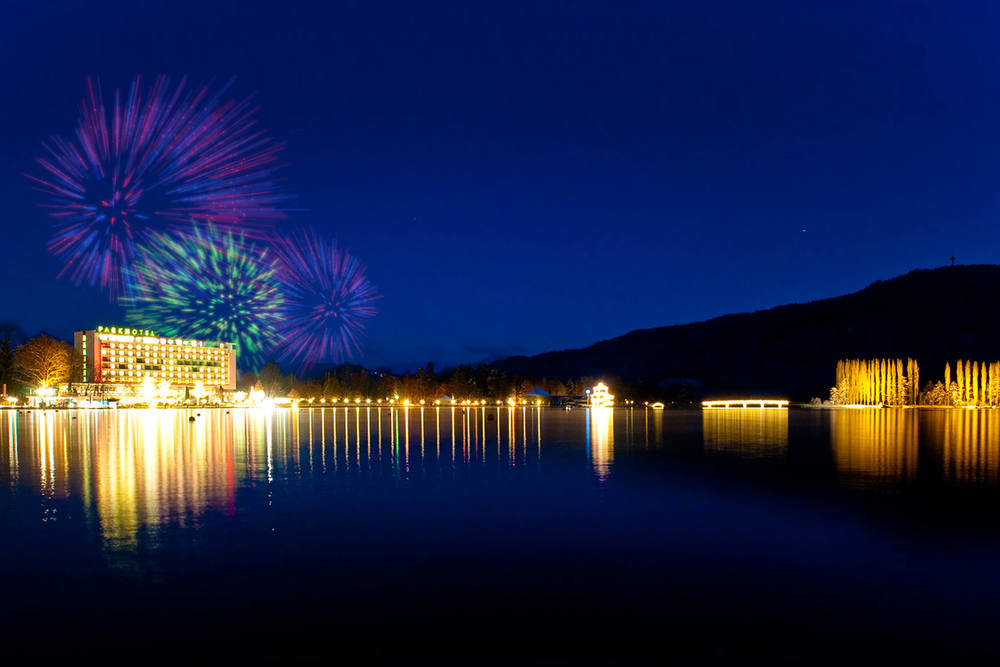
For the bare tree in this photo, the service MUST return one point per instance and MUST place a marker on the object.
(43, 361)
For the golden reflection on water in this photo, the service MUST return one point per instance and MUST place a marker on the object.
(155, 469)
(135, 471)
(875, 445)
(748, 433)
(967, 444)
(601, 440)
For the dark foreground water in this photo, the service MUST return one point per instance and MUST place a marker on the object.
(515, 536)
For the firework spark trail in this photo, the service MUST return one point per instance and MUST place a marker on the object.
(169, 155)
(209, 284)
(328, 298)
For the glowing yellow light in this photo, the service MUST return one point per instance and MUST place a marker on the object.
(421, 401)
(147, 391)
(657, 406)
(164, 392)
(437, 402)
(600, 398)
(746, 403)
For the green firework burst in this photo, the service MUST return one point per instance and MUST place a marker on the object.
(207, 284)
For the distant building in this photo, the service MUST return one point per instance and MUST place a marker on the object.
(538, 396)
(117, 359)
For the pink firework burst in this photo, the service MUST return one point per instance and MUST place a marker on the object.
(157, 156)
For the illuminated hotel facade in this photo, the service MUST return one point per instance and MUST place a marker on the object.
(117, 358)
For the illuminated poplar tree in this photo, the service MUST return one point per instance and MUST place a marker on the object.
(885, 381)
(960, 380)
(879, 386)
(982, 384)
(994, 383)
(876, 382)
(909, 389)
(968, 380)
(893, 397)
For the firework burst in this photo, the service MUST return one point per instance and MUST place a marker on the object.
(328, 298)
(162, 155)
(209, 284)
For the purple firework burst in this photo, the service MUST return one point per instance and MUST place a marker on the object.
(157, 156)
(327, 299)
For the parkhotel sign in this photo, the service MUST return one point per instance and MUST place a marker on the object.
(125, 331)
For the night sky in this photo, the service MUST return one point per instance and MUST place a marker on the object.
(521, 177)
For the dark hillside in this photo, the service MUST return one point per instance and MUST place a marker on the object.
(931, 315)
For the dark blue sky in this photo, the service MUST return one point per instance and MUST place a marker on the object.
(522, 177)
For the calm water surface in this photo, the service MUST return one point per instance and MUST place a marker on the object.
(524, 535)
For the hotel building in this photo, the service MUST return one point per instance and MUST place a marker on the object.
(116, 357)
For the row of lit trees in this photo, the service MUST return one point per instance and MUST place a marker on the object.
(876, 382)
(895, 382)
(976, 383)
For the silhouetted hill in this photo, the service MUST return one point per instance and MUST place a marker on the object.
(930, 315)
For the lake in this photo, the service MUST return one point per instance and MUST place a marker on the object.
(501, 535)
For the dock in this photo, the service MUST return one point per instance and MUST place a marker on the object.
(746, 403)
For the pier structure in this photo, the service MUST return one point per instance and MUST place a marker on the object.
(745, 403)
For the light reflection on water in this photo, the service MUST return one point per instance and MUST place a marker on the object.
(890, 447)
(134, 472)
(748, 433)
(167, 528)
(601, 440)
(966, 444)
(875, 446)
